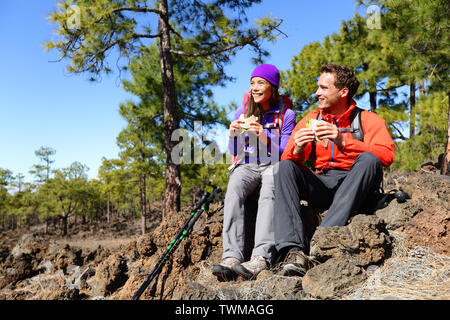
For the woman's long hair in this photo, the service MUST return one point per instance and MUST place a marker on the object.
(253, 108)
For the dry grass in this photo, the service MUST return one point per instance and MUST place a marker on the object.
(205, 276)
(410, 274)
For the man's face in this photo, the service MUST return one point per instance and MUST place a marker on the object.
(327, 93)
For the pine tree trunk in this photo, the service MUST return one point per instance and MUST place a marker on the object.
(446, 157)
(108, 207)
(142, 188)
(412, 110)
(171, 121)
(373, 101)
(64, 224)
(13, 222)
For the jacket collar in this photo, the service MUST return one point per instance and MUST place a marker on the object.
(335, 118)
(277, 108)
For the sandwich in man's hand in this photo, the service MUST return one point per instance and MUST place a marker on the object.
(312, 124)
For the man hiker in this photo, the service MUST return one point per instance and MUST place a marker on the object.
(345, 169)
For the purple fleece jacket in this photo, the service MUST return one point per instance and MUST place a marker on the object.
(237, 145)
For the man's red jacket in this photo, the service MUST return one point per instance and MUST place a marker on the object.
(377, 140)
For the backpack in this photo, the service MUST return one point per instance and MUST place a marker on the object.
(380, 200)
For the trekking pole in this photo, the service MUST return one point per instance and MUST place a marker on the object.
(182, 233)
(170, 247)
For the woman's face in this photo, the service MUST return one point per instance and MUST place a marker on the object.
(261, 90)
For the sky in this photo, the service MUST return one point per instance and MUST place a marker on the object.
(42, 105)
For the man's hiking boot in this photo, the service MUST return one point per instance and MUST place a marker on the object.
(224, 270)
(297, 263)
(250, 269)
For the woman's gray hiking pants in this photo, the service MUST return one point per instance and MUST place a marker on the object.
(244, 180)
(341, 191)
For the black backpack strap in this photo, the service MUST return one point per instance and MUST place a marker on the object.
(355, 125)
(358, 132)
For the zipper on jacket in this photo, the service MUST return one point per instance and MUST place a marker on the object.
(331, 163)
(332, 143)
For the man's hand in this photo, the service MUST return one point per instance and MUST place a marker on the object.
(301, 138)
(326, 130)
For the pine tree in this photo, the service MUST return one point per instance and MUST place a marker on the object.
(67, 191)
(92, 28)
(121, 188)
(139, 155)
(42, 170)
(417, 38)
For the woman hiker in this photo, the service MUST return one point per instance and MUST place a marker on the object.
(256, 145)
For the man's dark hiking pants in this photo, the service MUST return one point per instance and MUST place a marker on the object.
(341, 191)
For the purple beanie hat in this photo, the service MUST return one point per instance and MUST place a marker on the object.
(268, 72)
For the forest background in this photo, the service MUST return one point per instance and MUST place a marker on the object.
(171, 56)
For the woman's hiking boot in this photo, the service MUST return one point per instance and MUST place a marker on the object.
(224, 270)
(250, 269)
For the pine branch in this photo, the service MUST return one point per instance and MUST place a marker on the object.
(136, 9)
(215, 52)
(92, 60)
(247, 41)
(133, 9)
(400, 135)
(209, 53)
(138, 35)
(388, 89)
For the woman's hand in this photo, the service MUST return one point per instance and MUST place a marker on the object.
(257, 129)
(235, 128)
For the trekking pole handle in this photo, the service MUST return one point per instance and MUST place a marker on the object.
(202, 200)
(215, 193)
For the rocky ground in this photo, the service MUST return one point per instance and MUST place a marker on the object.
(400, 252)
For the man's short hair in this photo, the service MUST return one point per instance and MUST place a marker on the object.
(345, 78)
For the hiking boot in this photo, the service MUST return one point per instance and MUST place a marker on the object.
(250, 269)
(224, 270)
(297, 263)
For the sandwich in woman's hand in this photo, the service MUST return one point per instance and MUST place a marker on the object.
(245, 125)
